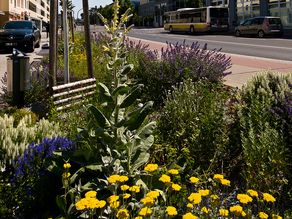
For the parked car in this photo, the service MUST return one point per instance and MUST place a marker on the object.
(260, 26)
(20, 34)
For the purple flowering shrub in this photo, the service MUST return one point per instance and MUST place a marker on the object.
(35, 155)
(33, 188)
(160, 73)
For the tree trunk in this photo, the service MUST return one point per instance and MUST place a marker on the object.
(72, 26)
(87, 38)
(53, 43)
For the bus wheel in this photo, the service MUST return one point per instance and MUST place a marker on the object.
(237, 33)
(192, 30)
(261, 34)
(170, 29)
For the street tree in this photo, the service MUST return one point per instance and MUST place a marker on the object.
(87, 38)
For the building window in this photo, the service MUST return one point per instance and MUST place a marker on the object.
(32, 7)
(42, 13)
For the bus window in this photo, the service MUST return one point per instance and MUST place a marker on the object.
(218, 12)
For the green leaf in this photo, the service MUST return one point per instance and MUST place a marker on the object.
(126, 69)
(136, 118)
(94, 167)
(61, 203)
(76, 174)
(139, 160)
(146, 130)
(99, 117)
(104, 92)
(132, 96)
(120, 90)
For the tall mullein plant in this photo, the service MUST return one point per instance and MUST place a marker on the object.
(118, 124)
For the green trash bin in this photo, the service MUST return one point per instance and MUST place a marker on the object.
(18, 76)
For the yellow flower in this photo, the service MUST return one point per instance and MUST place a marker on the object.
(145, 211)
(67, 165)
(123, 179)
(225, 182)
(224, 212)
(113, 179)
(105, 49)
(113, 198)
(214, 197)
(274, 216)
(135, 189)
(66, 175)
(165, 179)
(122, 214)
(263, 215)
(268, 198)
(147, 201)
(195, 198)
(218, 177)
(89, 203)
(173, 171)
(190, 205)
(126, 196)
(236, 209)
(151, 167)
(90, 194)
(176, 187)
(205, 210)
(171, 211)
(244, 199)
(153, 194)
(115, 204)
(139, 217)
(125, 187)
(189, 216)
(204, 192)
(194, 179)
(252, 193)
(101, 204)
(243, 214)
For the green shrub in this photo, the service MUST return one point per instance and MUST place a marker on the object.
(264, 148)
(19, 114)
(159, 73)
(193, 124)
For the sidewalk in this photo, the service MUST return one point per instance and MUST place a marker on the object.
(243, 67)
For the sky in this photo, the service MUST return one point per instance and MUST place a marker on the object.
(92, 3)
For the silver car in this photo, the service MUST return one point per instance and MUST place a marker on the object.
(260, 26)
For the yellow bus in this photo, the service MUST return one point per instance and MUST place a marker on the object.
(212, 18)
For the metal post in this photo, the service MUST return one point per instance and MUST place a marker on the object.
(66, 43)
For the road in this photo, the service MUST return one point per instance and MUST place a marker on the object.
(273, 48)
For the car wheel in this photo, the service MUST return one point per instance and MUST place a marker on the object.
(30, 47)
(38, 44)
(170, 29)
(237, 33)
(261, 34)
(192, 30)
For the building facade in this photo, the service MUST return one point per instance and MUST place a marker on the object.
(152, 10)
(36, 10)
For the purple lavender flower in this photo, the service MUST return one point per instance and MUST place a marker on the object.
(35, 155)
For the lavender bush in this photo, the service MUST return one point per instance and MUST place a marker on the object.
(159, 73)
(32, 189)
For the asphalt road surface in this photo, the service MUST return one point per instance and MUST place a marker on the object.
(270, 47)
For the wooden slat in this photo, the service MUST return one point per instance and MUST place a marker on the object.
(86, 81)
(74, 91)
(73, 98)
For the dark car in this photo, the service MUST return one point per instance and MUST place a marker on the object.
(260, 26)
(20, 34)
